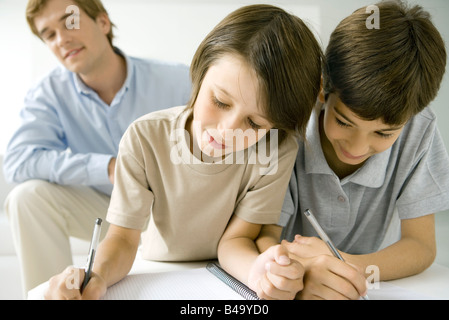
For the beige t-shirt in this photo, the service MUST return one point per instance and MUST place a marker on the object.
(183, 204)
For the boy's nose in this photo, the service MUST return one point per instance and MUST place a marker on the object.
(358, 147)
(229, 123)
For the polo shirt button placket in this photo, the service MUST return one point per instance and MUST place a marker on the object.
(341, 199)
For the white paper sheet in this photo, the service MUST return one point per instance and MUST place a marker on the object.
(194, 284)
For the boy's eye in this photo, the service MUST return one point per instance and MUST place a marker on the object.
(222, 105)
(219, 104)
(254, 125)
(341, 123)
(380, 134)
(384, 135)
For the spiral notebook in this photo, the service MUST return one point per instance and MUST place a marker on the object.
(233, 283)
(209, 283)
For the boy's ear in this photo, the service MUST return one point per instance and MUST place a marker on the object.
(321, 95)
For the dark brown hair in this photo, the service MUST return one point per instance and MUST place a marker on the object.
(390, 73)
(282, 51)
(91, 7)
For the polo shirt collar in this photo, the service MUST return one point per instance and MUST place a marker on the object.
(371, 174)
(315, 162)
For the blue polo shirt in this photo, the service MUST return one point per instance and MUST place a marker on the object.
(68, 134)
(361, 213)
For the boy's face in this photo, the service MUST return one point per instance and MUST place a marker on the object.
(355, 140)
(227, 116)
(78, 49)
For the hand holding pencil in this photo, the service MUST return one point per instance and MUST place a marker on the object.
(325, 277)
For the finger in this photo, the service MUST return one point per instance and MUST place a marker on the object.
(321, 283)
(362, 286)
(293, 271)
(305, 240)
(291, 286)
(292, 247)
(287, 245)
(95, 288)
(281, 255)
(342, 277)
(282, 282)
(354, 276)
(320, 292)
(269, 291)
(65, 286)
(305, 295)
(301, 248)
(73, 282)
(341, 288)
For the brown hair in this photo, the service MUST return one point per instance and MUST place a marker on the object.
(390, 73)
(284, 54)
(91, 7)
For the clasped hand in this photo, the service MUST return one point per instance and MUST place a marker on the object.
(274, 275)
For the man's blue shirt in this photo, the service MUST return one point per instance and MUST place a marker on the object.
(68, 134)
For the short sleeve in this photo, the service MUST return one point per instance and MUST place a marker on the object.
(262, 204)
(426, 190)
(131, 198)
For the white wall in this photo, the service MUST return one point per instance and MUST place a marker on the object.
(169, 30)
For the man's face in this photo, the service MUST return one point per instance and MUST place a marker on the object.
(79, 48)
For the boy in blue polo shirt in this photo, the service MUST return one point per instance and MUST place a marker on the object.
(374, 169)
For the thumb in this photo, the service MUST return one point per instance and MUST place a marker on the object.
(281, 255)
(95, 288)
(300, 239)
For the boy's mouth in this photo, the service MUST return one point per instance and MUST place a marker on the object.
(350, 156)
(215, 144)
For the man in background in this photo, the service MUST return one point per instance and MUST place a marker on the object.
(63, 155)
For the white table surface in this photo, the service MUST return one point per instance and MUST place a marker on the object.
(433, 282)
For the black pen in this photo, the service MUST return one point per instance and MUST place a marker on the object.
(325, 238)
(92, 251)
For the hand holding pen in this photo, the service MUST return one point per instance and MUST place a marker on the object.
(92, 252)
(67, 285)
(325, 238)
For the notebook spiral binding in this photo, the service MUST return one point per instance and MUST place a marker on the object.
(233, 283)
